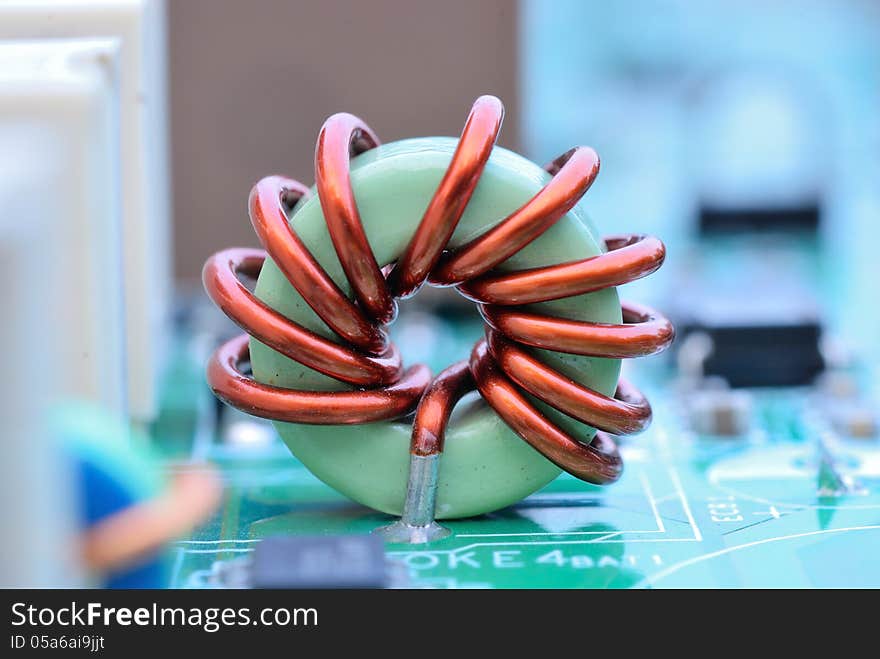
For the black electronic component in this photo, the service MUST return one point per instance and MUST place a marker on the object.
(716, 220)
(763, 355)
(337, 561)
(753, 304)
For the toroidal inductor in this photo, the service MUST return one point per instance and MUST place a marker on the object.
(510, 237)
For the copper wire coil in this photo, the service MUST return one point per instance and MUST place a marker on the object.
(500, 367)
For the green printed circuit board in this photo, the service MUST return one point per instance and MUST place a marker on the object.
(789, 502)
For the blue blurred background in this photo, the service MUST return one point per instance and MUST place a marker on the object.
(732, 104)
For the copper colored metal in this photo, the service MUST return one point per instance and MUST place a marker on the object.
(317, 407)
(501, 368)
(646, 332)
(575, 172)
(628, 412)
(342, 136)
(451, 198)
(629, 258)
(586, 461)
(267, 210)
(437, 404)
(278, 332)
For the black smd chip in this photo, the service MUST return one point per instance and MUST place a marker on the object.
(338, 561)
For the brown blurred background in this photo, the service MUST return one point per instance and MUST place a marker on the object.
(251, 82)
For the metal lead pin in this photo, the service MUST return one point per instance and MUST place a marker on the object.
(417, 525)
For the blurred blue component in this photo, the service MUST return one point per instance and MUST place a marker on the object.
(113, 470)
(104, 493)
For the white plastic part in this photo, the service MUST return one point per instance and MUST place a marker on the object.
(58, 104)
(139, 25)
(62, 319)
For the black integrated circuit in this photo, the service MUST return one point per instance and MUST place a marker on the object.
(717, 220)
(753, 283)
(335, 561)
(763, 355)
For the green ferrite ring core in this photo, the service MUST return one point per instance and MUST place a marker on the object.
(485, 465)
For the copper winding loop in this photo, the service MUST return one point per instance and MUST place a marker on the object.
(597, 462)
(573, 174)
(291, 340)
(343, 136)
(267, 203)
(451, 198)
(316, 407)
(630, 257)
(645, 332)
(500, 367)
(629, 412)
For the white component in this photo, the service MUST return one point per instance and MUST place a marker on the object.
(694, 349)
(58, 105)
(139, 25)
(721, 413)
(62, 320)
(838, 385)
(856, 420)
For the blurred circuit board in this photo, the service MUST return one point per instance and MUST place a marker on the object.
(789, 502)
